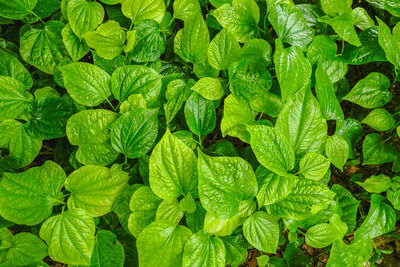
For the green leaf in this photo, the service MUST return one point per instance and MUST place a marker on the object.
(170, 211)
(209, 88)
(111, 2)
(271, 149)
(240, 18)
(314, 166)
(380, 220)
(25, 249)
(335, 67)
(221, 227)
(108, 39)
(377, 152)
(23, 147)
(337, 150)
(292, 69)
(185, 9)
(371, 92)
(43, 48)
(43, 9)
(195, 220)
(130, 41)
(223, 183)
(107, 251)
(361, 19)
(324, 234)
(321, 48)
(8, 129)
(49, 116)
(326, 95)
(200, 114)
(173, 168)
(223, 50)
(376, 183)
(248, 80)
(307, 198)
(14, 99)
(134, 101)
(336, 6)
(121, 205)
(394, 198)
(352, 131)
(262, 260)
(262, 232)
(188, 203)
(90, 130)
(138, 10)
(143, 204)
(10, 66)
(355, 254)
(393, 7)
(343, 26)
(302, 123)
(95, 188)
(201, 249)
(390, 42)
(191, 42)
(380, 119)
(235, 251)
(235, 118)
(290, 25)
(369, 51)
(86, 83)
(162, 242)
(269, 103)
(109, 65)
(204, 69)
(84, 16)
(76, 48)
(38, 190)
(16, 9)
(76, 226)
(257, 50)
(177, 92)
(135, 79)
(348, 204)
(47, 92)
(149, 42)
(273, 187)
(135, 132)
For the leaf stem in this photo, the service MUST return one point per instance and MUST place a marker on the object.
(131, 26)
(201, 142)
(111, 105)
(341, 52)
(396, 73)
(37, 16)
(387, 139)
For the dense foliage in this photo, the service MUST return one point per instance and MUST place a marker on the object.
(199, 133)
